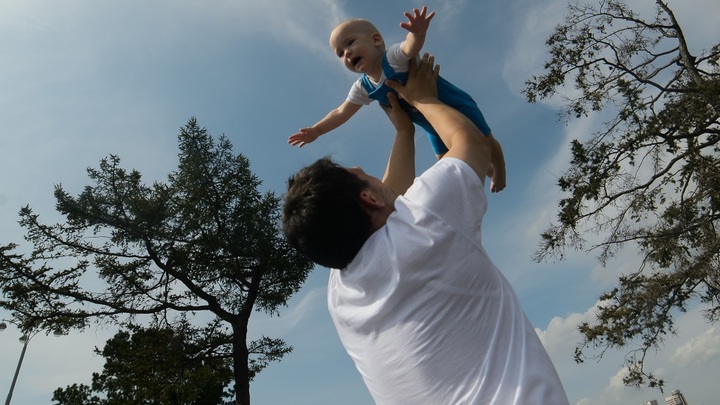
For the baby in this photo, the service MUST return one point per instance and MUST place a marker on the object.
(361, 48)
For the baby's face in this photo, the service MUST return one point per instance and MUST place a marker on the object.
(358, 48)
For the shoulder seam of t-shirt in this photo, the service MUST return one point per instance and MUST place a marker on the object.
(463, 166)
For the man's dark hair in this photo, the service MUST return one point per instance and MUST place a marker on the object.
(323, 217)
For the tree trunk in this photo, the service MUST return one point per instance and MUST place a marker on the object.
(240, 365)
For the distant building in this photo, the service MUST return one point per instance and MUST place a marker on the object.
(676, 398)
(653, 402)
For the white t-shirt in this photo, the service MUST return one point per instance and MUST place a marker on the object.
(425, 314)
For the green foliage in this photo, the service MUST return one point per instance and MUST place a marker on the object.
(206, 241)
(649, 178)
(154, 366)
(76, 394)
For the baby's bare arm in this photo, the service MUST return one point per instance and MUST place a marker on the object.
(332, 120)
(417, 26)
(337, 117)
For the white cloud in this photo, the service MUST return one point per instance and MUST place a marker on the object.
(702, 348)
(450, 9)
(616, 385)
(526, 56)
(679, 361)
(561, 334)
(306, 23)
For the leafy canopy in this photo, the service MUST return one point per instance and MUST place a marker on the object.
(649, 178)
(204, 246)
(153, 366)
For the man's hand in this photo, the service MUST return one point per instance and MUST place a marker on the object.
(463, 139)
(418, 22)
(422, 81)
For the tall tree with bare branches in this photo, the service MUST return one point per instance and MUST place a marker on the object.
(650, 178)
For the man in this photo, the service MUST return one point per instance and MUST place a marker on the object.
(423, 312)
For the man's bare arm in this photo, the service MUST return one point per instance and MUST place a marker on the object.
(400, 170)
(463, 139)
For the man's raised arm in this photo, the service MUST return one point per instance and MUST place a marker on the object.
(463, 139)
(400, 170)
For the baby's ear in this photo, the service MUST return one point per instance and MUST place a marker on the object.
(377, 38)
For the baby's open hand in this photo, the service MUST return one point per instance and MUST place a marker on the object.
(305, 136)
(418, 22)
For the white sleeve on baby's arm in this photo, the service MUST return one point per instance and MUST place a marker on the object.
(358, 95)
(396, 58)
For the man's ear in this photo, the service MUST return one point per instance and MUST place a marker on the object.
(371, 201)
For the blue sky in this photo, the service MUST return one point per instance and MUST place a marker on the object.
(83, 79)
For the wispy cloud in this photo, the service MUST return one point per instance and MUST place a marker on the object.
(304, 24)
(306, 303)
(699, 349)
(692, 353)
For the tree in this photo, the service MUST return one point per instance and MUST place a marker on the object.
(649, 178)
(153, 366)
(76, 395)
(206, 243)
